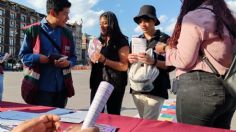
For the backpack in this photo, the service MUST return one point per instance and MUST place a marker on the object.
(141, 76)
(229, 79)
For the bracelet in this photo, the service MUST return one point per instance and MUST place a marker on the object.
(155, 62)
(104, 61)
(164, 48)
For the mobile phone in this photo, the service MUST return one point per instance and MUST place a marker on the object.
(63, 58)
(55, 56)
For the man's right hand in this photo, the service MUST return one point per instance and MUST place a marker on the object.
(43, 59)
(133, 58)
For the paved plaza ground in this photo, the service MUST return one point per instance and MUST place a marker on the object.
(12, 82)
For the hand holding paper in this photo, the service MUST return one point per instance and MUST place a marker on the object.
(139, 45)
(94, 49)
(103, 93)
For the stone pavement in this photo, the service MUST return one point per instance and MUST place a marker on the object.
(12, 82)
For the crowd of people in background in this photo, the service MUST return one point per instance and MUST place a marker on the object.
(201, 97)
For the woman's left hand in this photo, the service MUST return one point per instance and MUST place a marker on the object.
(98, 57)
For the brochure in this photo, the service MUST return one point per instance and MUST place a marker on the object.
(103, 93)
(139, 45)
(95, 46)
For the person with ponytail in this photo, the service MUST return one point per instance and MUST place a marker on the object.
(200, 30)
(112, 63)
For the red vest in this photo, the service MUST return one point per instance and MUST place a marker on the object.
(32, 74)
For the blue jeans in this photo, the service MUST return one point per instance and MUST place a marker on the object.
(202, 100)
(1, 86)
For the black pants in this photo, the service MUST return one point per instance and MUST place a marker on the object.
(114, 102)
(53, 99)
(202, 100)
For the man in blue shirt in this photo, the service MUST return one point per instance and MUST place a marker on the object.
(35, 52)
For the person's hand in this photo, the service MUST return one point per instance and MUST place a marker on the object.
(43, 59)
(61, 63)
(77, 128)
(160, 48)
(102, 58)
(95, 57)
(45, 123)
(133, 58)
(98, 57)
(145, 58)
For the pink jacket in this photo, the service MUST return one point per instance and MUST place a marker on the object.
(198, 31)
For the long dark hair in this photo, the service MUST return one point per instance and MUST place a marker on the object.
(220, 9)
(113, 27)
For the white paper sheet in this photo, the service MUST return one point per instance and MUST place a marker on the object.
(103, 93)
(94, 46)
(76, 117)
(105, 128)
(18, 115)
(6, 125)
(60, 111)
(3, 129)
(139, 45)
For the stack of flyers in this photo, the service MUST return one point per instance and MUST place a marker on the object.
(95, 46)
(106, 128)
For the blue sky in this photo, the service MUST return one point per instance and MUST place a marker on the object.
(89, 11)
(127, 9)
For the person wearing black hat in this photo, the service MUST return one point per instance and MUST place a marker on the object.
(149, 103)
(148, 12)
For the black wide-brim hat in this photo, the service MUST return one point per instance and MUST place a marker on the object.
(147, 11)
